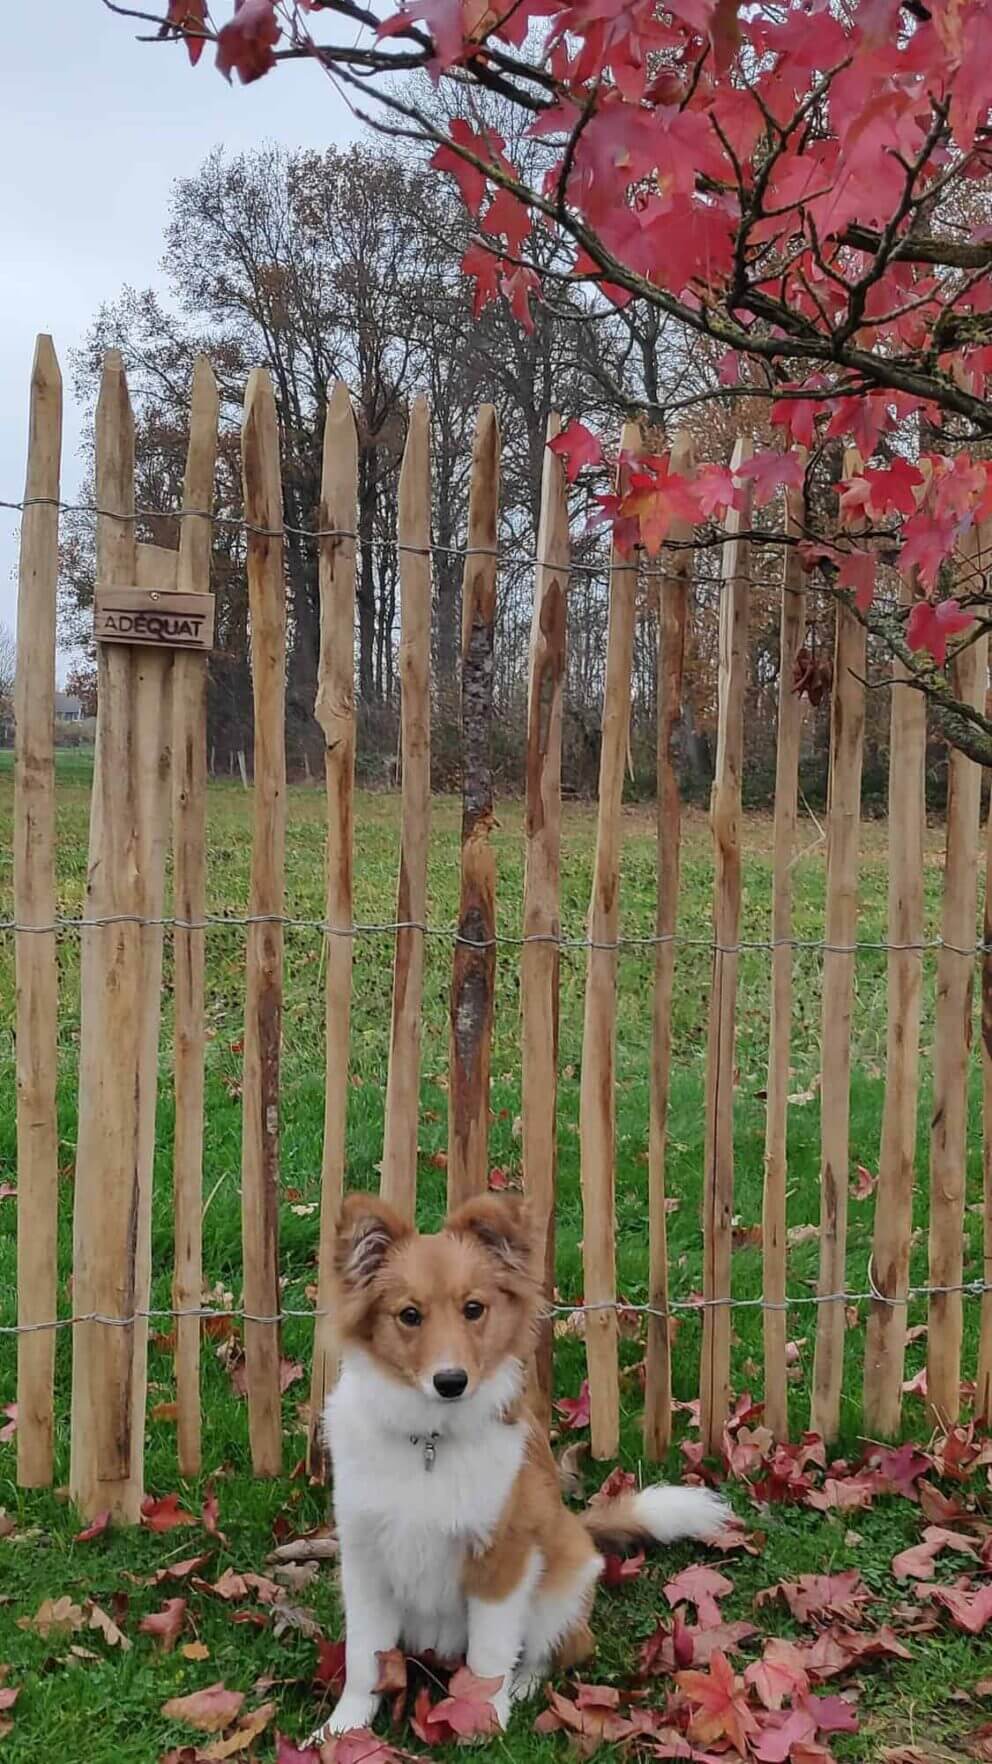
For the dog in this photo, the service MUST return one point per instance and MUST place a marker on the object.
(454, 1538)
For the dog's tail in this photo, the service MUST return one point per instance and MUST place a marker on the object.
(660, 1514)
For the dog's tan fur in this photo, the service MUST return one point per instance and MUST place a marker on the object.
(485, 1253)
(454, 1534)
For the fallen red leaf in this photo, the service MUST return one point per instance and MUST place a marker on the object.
(594, 1716)
(95, 1528)
(164, 1514)
(8, 1432)
(899, 1469)
(429, 1735)
(837, 1649)
(574, 1411)
(813, 1596)
(780, 1675)
(468, 1710)
(681, 1646)
(832, 1714)
(702, 1587)
(780, 1739)
(329, 1670)
(165, 1625)
(619, 1482)
(617, 1569)
(359, 1747)
(864, 1184)
(207, 1710)
(719, 1705)
(180, 1570)
(918, 1563)
(210, 1513)
(968, 1610)
(843, 1494)
(287, 1753)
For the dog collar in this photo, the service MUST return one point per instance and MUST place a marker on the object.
(429, 1443)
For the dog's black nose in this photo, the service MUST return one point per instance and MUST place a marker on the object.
(451, 1383)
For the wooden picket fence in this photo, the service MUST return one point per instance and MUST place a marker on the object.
(150, 782)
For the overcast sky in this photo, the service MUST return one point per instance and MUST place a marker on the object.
(94, 126)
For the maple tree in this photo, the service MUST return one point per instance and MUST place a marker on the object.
(803, 185)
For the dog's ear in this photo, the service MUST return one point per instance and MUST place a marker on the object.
(502, 1225)
(366, 1233)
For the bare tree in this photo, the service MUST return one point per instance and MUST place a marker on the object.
(8, 668)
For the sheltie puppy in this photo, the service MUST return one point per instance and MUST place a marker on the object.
(454, 1537)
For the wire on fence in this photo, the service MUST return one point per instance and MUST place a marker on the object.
(601, 567)
(451, 934)
(967, 1288)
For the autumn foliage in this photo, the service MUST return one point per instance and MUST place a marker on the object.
(805, 185)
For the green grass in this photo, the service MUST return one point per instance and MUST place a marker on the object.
(107, 1710)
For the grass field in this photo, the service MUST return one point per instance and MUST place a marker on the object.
(105, 1710)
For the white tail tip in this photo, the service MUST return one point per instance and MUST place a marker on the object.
(670, 1512)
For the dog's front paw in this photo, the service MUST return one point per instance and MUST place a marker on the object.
(352, 1712)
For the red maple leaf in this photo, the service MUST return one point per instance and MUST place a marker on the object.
(329, 1670)
(164, 1514)
(486, 267)
(770, 471)
(780, 1675)
(210, 1514)
(165, 1625)
(797, 416)
(843, 1494)
(700, 1586)
(617, 1569)
(245, 44)
(859, 570)
(485, 145)
(781, 1738)
(968, 1610)
(467, 1712)
(578, 447)
(287, 1753)
(358, 1747)
(520, 286)
(574, 1411)
(95, 1528)
(188, 19)
(892, 491)
(507, 218)
(930, 626)
(718, 1702)
(813, 1596)
(445, 19)
(918, 1562)
(864, 419)
(864, 1184)
(899, 1468)
(594, 1716)
(714, 490)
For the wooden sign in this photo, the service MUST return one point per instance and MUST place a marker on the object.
(149, 616)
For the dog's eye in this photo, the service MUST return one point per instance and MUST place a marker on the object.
(473, 1310)
(410, 1317)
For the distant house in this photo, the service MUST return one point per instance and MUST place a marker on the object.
(67, 708)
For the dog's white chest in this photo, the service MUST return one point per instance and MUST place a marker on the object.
(415, 1513)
